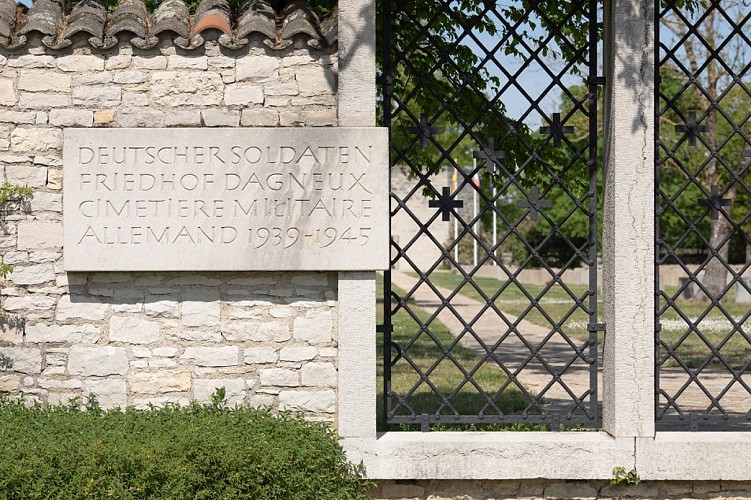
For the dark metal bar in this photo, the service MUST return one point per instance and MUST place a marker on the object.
(593, 230)
(387, 118)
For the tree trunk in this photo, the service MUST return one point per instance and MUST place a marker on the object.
(715, 273)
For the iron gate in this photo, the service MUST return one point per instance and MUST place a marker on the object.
(703, 215)
(490, 309)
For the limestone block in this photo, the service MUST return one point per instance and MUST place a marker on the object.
(21, 175)
(170, 88)
(201, 308)
(187, 62)
(277, 101)
(235, 390)
(40, 257)
(195, 335)
(257, 400)
(20, 359)
(154, 62)
(135, 99)
(287, 88)
(318, 100)
(63, 398)
(168, 352)
(81, 63)
(31, 302)
(121, 61)
(104, 117)
(48, 161)
(260, 355)
(9, 383)
(315, 327)
(109, 392)
(97, 361)
(319, 374)
(71, 118)
(180, 118)
(133, 330)
(160, 382)
(258, 68)
(220, 118)
(80, 307)
(310, 279)
(245, 314)
(310, 117)
(133, 118)
(46, 202)
(35, 235)
(92, 79)
(280, 377)
(298, 353)
(315, 79)
(129, 77)
(396, 490)
(328, 352)
(298, 60)
(32, 275)
(17, 117)
(39, 140)
(161, 306)
(212, 356)
(43, 100)
(221, 62)
(78, 334)
(281, 312)
(32, 61)
(162, 363)
(97, 95)
(14, 258)
(43, 81)
(8, 95)
(259, 118)
(52, 383)
(314, 402)
(253, 331)
(243, 94)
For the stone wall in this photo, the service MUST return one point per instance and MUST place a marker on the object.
(487, 490)
(134, 338)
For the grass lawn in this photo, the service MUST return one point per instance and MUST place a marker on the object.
(425, 354)
(559, 305)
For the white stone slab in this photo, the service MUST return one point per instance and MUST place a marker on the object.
(230, 199)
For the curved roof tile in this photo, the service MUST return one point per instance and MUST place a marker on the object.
(214, 19)
(257, 17)
(88, 17)
(172, 15)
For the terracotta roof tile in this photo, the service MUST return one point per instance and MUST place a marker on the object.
(89, 21)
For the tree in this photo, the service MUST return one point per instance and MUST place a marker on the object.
(11, 197)
(438, 68)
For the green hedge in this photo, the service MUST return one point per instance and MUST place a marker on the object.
(201, 452)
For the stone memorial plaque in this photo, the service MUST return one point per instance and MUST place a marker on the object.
(255, 199)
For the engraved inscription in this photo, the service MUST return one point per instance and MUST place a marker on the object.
(261, 199)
